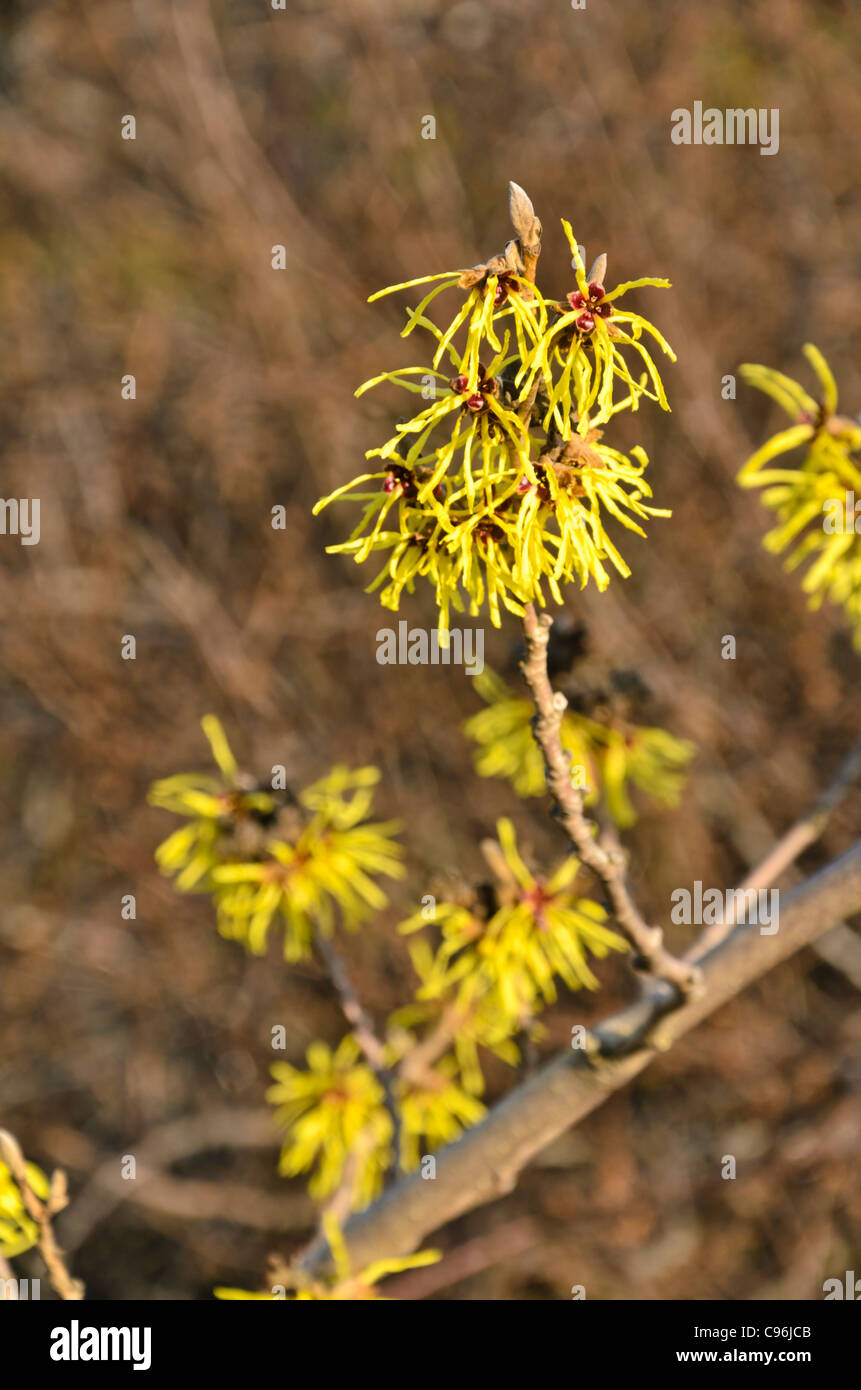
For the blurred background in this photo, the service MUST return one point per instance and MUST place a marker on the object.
(256, 127)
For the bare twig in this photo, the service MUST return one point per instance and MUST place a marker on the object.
(419, 1060)
(797, 839)
(363, 1031)
(42, 1213)
(474, 1256)
(607, 865)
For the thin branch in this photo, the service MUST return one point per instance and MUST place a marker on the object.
(42, 1213)
(157, 1151)
(473, 1257)
(419, 1060)
(608, 866)
(797, 839)
(487, 1160)
(363, 1031)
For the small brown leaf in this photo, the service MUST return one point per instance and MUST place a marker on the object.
(472, 277)
(512, 258)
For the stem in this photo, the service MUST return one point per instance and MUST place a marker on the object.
(421, 1058)
(607, 866)
(363, 1031)
(798, 838)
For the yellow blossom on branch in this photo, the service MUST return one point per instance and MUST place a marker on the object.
(607, 759)
(18, 1230)
(815, 500)
(333, 1109)
(265, 856)
(500, 489)
(541, 930)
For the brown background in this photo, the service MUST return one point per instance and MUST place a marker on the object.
(254, 128)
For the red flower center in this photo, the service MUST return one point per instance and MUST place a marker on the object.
(476, 401)
(591, 306)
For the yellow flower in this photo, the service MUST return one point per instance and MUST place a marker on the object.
(506, 743)
(435, 1111)
(215, 805)
(539, 931)
(581, 356)
(305, 883)
(18, 1231)
(543, 930)
(815, 501)
(306, 862)
(497, 294)
(488, 492)
(333, 1110)
(465, 989)
(607, 757)
(648, 758)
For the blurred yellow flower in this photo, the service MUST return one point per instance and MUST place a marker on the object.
(18, 1230)
(816, 501)
(313, 860)
(435, 1111)
(607, 758)
(540, 931)
(331, 1111)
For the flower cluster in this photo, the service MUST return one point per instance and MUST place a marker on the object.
(18, 1230)
(332, 1112)
(498, 489)
(815, 500)
(265, 856)
(489, 976)
(608, 758)
(507, 962)
(585, 353)
(337, 1125)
